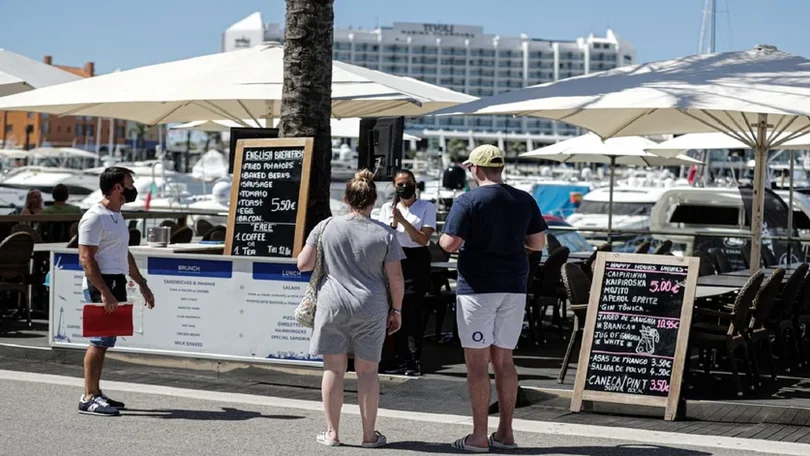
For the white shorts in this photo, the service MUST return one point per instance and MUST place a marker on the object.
(490, 319)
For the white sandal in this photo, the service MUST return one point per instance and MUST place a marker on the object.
(323, 440)
(495, 443)
(380, 442)
(461, 444)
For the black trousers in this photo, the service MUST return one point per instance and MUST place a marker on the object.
(416, 271)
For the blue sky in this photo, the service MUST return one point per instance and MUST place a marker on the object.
(118, 34)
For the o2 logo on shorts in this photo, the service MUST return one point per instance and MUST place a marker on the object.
(478, 336)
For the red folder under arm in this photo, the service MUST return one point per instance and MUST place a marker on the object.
(97, 323)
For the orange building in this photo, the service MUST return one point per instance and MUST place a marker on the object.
(31, 129)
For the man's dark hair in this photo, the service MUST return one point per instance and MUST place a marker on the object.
(60, 193)
(112, 176)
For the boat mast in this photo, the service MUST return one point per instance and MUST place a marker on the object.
(710, 23)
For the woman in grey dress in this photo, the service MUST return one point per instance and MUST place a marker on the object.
(361, 268)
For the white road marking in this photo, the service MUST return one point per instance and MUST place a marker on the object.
(537, 427)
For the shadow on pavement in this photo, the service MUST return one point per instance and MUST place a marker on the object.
(618, 450)
(227, 414)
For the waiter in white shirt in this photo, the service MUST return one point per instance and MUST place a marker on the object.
(415, 222)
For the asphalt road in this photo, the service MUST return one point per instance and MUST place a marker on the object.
(39, 417)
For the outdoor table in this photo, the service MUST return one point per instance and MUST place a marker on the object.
(211, 249)
(747, 272)
(728, 281)
(49, 246)
(705, 292)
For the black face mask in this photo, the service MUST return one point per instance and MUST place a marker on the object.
(406, 191)
(130, 194)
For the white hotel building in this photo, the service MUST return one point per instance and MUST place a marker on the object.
(465, 59)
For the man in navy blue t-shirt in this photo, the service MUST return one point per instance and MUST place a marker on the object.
(493, 226)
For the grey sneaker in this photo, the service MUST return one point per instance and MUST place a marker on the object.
(113, 403)
(98, 406)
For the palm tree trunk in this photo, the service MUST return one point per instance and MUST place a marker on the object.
(306, 99)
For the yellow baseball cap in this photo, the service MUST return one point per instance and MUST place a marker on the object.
(487, 156)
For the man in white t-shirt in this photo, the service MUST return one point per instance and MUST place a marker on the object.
(104, 255)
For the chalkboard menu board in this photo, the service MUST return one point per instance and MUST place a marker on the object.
(269, 195)
(637, 330)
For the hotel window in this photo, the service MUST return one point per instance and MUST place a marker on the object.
(342, 45)
(30, 115)
(9, 128)
(46, 128)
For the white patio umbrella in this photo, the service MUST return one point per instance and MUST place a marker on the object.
(691, 141)
(589, 148)
(763, 93)
(21, 74)
(341, 128)
(229, 85)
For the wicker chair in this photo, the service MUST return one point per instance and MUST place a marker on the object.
(73, 243)
(721, 262)
(578, 288)
(547, 291)
(644, 247)
(587, 267)
(26, 228)
(16, 251)
(171, 224)
(552, 243)
(533, 282)
(780, 323)
(134, 238)
(706, 263)
(182, 235)
(441, 295)
(729, 338)
(768, 258)
(663, 248)
(801, 322)
(758, 332)
(215, 232)
(202, 227)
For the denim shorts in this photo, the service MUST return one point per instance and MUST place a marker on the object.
(118, 286)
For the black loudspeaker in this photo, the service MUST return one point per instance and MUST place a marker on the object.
(380, 146)
(247, 133)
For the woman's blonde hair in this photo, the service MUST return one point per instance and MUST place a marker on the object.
(361, 192)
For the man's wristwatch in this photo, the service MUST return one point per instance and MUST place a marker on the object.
(396, 311)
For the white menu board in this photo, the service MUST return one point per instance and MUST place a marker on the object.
(205, 306)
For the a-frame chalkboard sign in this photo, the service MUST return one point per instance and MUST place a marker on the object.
(634, 345)
(269, 195)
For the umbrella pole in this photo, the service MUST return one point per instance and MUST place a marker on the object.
(610, 196)
(760, 168)
(790, 210)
